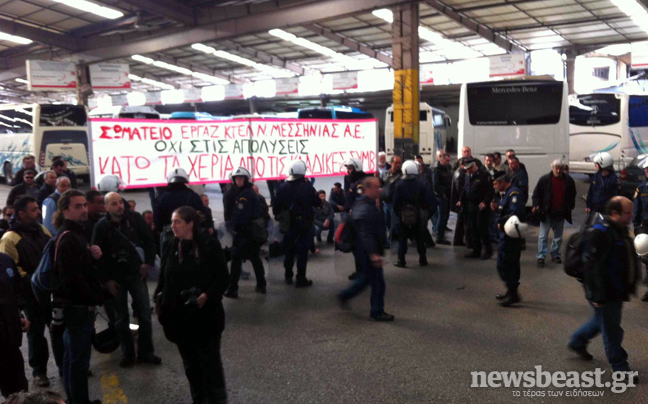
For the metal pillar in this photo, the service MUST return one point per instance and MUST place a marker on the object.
(84, 89)
(253, 105)
(405, 50)
(571, 68)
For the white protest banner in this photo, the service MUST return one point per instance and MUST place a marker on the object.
(47, 75)
(287, 86)
(508, 65)
(640, 55)
(110, 76)
(345, 81)
(143, 151)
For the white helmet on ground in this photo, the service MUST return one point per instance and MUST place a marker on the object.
(353, 162)
(641, 244)
(241, 172)
(297, 170)
(178, 175)
(110, 183)
(410, 168)
(604, 159)
(514, 228)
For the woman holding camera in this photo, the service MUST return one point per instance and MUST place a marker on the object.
(188, 301)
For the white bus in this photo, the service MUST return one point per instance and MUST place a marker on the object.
(433, 135)
(44, 131)
(606, 122)
(528, 116)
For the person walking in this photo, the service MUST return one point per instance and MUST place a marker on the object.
(474, 201)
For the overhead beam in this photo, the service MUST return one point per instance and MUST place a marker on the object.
(103, 26)
(350, 43)
(200, 69)
(66, 42)
(267, 58)
(476, 27)
(174, 11)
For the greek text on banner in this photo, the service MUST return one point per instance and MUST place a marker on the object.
(142, 152)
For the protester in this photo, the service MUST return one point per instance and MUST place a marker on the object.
(50, 203)
(474, 201)
(388, 182)
(336, 198)
(442, 185)
(27, 187)
(64, 171)
(29, 164)
(48, 187)
(188, 302)
(324, 219)
(7, 212)
(383, 165)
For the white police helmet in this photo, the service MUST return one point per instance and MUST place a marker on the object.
(353, 162)
(110, 183)
(603, 159)
(641, 244)
(297, 170)
(241, 172)
(514, 228)
(410, 168)
(178, 175)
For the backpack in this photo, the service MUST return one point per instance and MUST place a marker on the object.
(409, 215)
(344, 237)
(259, 231)
(45, 279)
(575, 256)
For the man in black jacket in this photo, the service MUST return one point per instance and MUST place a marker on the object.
(24, 242)
(442, 183)
(48, 187)
(80, 292)
(352, 182)
(336, 198)
(554, 197)
(29, 163)
(367, 222)
(119, 235)
(27, 187)
(12, 367)
(474, 201)
(611, 274)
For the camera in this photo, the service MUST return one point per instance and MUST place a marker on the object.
(190, 298)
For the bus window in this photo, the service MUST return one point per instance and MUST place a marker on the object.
(391, 116)
(638, 111)
(316, 114)
(423, 115)
(16, 120)
(352, 115)
(437, 121)
(595, 109)
(526, 103)
(63, 115)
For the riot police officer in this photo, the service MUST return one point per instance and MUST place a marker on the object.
(604, 185)
(412, 203)
(295, 203)
(352, 182)
(474, 200)
(176, 194)
(245, 244)
(640, 218)
(509, 203)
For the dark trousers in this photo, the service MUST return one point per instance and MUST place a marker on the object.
(77, 338)
(297, 243)
(203, 366)
(459, 228)
(607, 321)
(142, 308)
(508, 260)
(251, 252)
(411, 232)
(440, 218)
(478, 222)
(272, 186)
(40, 316)
(368, 275)
(12, 370)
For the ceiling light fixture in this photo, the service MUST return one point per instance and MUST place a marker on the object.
(272, 71)
(178, 69)
(92, 8)
(14, 38)
(22, 81)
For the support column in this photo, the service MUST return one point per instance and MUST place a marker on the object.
(405, 53)
(253, 105)
(571, 69)
(84, 89)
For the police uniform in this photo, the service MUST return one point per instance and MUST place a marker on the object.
(509, 249)
(175, 196)
(601, 190)
(300, 199)
(244, 246)
(352, 188)
(477, 189)
(411, 191)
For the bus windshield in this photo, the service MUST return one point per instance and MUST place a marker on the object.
(63, 115)
(17, 120)
(595, 109)
(638, 111)
(527, 103)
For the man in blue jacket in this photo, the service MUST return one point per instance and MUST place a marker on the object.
(368, 225)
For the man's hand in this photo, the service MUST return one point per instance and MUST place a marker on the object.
(459, 203)
(24, 324)
(112, 287)
(202, 299)
(499, 226)
(144, 269)
(588, 210)
(493, 206)
(482, 206)
(535, 209)
(598, 305)
(376, 260)
(340, 208)
(327, 224)
(95, 251)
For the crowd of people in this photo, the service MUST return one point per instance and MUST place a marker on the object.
(103, 252)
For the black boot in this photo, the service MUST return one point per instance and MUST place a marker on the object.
(512, 298)
(502, 296)
(423, 261)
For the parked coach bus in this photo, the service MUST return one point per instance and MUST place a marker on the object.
(44, 131)
(606, 122)
(528, 116)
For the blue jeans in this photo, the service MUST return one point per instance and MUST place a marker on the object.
(140, 294)
(607, 321)
(77, 339)
(319, 227)
(368, 275)
(440, 218)
(543, 239)
(387, 210)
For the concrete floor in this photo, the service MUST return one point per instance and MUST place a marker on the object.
(297, 346)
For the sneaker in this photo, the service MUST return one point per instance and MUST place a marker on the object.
(541, 262)
(557, 260)
(580, 351)
(126, 362)
(41, 380)
(231, 293)
(260, 289)
(150, 359)
(503, 295)
(382, 317)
